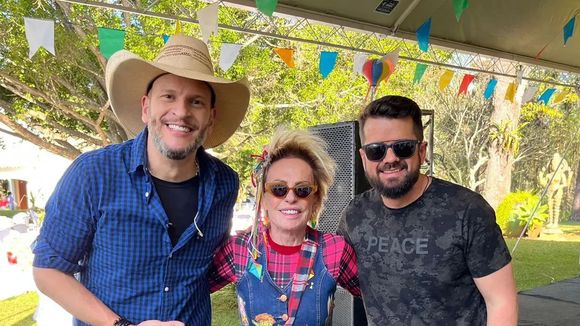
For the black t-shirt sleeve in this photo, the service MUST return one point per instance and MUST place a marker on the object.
(485, 251)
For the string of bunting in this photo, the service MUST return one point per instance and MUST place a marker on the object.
(40, 33)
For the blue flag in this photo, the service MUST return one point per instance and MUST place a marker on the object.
(569, 29)
(423, 35)
(165, 38)
(546, 95)
(327, 62)
(490, 88)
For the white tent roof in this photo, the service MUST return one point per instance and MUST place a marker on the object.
(512, 29)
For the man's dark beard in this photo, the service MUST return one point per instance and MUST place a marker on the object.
(396, 191)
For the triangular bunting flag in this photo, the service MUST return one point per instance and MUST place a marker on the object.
(459, 7)
(419, 72)
(110, 41)
(165, 38)
(228, 54)
(529, 94)
(287, 55)
(327, 62)
(267, 7)
(393, 57)
(208, 20)
(467, 79)
(519, 76)
(490, 88)
(445, 79)
(546, 95)
(510, 93)
(359, 61)
(423, 35)
(39, 33)
(569, 29)
(560, 96)
(177, 27)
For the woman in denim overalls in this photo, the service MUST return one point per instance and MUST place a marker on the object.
(285, 271)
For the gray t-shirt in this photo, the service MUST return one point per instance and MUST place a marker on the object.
(416, 264)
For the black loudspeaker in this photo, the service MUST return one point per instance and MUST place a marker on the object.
(343, 144)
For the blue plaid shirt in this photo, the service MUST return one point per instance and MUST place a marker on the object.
(105, 222)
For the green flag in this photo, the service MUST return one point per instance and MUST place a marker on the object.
(267, 7)
(419, 71)
(110, 41)
(459, 7)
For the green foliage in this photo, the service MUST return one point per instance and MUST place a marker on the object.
(515, 210)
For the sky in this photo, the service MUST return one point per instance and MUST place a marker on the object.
(26, 161)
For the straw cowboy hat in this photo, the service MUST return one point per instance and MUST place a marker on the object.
(127, 76)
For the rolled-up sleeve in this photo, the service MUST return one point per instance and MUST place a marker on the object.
(68, 227)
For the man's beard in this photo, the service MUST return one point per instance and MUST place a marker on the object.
(396, 191)
(177, 154)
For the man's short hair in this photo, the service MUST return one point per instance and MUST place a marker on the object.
(393, 107)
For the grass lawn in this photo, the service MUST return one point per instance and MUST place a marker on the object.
(536, 263)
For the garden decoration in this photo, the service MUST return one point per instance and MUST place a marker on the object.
(558, 178)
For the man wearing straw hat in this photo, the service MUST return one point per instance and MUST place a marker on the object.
(138, 222)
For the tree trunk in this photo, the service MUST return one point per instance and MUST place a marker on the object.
(498, 179)
(576, 201)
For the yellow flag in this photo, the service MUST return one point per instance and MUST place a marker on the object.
(177, 27)
(445, 79)
(510, 93)
(560, 96)
(287, 55)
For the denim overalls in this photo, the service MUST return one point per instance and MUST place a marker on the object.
(263, 303)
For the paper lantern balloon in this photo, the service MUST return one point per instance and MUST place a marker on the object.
(388, 68)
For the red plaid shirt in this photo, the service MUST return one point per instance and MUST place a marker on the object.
(231, 260)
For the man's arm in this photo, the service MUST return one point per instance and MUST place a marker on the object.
(73, 296)
(78, 301)
(499, 292)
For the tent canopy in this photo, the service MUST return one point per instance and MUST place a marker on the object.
(515, 30)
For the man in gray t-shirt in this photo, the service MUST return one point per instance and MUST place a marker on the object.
(429, 252)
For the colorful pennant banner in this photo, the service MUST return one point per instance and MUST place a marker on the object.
(490, 88)
(287, 55)
(569, 29)
(423, 35)
(445, 79)
(208, 21)
(327, 62)
(546, 95)
(359, 61)
(529, 94)
(267, 7)
(459, 7)
(228, 54)
(467, 79)
(510, 93)
(110, 41)
(39, 33)
(420, 69)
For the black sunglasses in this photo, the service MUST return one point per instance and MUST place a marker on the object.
(402, 149)
(280, 189)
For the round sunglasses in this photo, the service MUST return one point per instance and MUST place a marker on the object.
(402, 149)
(280, 189)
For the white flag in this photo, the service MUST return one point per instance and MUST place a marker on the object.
(519, 76)
(208, 21)
(393, 56)
(529, 93)
(359, 61)
(228, 54)
(39, 32)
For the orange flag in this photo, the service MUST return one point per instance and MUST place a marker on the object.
(287, 55)
(510, 93)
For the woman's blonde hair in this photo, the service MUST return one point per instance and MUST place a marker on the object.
(312, 149)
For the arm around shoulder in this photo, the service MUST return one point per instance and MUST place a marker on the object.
(499, 292)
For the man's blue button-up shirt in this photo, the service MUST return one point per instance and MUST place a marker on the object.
(105, 222)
